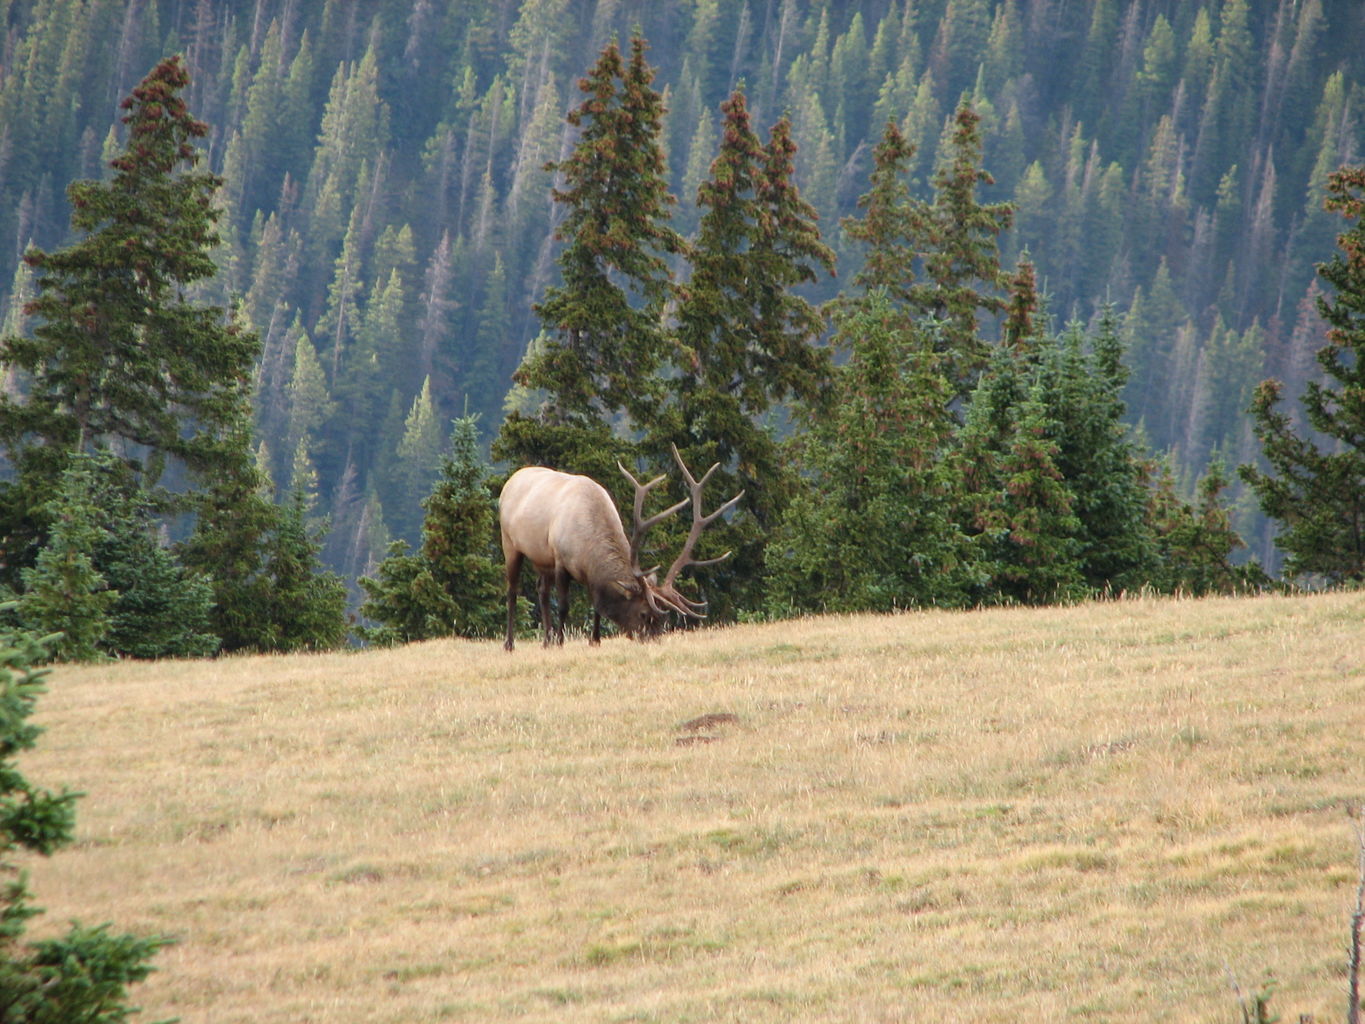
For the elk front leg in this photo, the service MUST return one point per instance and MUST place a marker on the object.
(513, 585)
(596, 628)
(543, 600)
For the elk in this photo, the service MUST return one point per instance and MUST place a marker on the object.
(569, 528)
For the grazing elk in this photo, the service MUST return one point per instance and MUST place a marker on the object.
(569, 528)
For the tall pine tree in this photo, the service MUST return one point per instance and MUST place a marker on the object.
(1315, 486)
(603, 340)
(746, 340)
(960, 252)
(121, 356)
(123, 359)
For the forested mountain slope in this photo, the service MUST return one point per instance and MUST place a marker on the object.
(388, 217)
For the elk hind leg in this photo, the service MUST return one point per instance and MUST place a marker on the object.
(562, 597)
(513, 585)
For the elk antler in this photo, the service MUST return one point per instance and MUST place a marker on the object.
(667, 591)
(642, 525)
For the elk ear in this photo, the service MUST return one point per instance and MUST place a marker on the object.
(622, 587)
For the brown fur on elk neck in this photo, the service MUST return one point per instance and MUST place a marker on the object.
(568, 527)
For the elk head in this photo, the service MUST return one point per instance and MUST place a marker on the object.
(665, 597)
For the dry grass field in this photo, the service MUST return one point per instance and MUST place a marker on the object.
(1095, 813)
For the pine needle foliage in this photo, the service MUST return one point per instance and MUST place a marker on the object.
(603, 340)
(1314, 485)
(119, 353)
(64, 593)
(874, 528)
(452, 585)
(83, 975)
(746, 341)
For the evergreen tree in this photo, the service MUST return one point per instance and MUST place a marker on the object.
(960, 252)
(1020, 327)
(104, 582)
(120, 357)
(452, 586)
(354, 131)
(235, 519)
(745, 340)
(873, 528)
(787, 256)
(1055, 485)
(64, 592)
(83, 975)
(1017, 505)
(1196, 543)
(305, 608)
(1098, 461)
(604, 340)
(493, 328)
(416, 465)
(1318, 495)
(310, 405)
(162, 609)
(892, 222)
(438, 308)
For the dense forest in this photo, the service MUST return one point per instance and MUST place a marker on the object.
(388, 220)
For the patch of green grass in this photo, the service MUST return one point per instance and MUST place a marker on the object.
(412, 972)
(604, 954)
(559, 996)
(1077, 860)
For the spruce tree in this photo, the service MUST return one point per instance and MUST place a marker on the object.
(64, 592)
(1056, 487)
(603, 341)
(104, 582)
(960, 253)
(1101, 465)
(452, 586)
(162, 610)
(305, 607)
(1315, 485)
(1196, 543)
(1017, 505)
(120, 355)
(83, 975)
(892, 221)
(235, 519)
(874, 528)
(123, 359)
(415, 466)
(745, 342)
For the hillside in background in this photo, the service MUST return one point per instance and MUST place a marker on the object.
(388, 221)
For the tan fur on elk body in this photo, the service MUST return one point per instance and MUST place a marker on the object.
(568, 527)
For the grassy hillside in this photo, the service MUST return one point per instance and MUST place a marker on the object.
(1090, 813)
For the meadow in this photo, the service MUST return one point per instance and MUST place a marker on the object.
(1100, 813)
